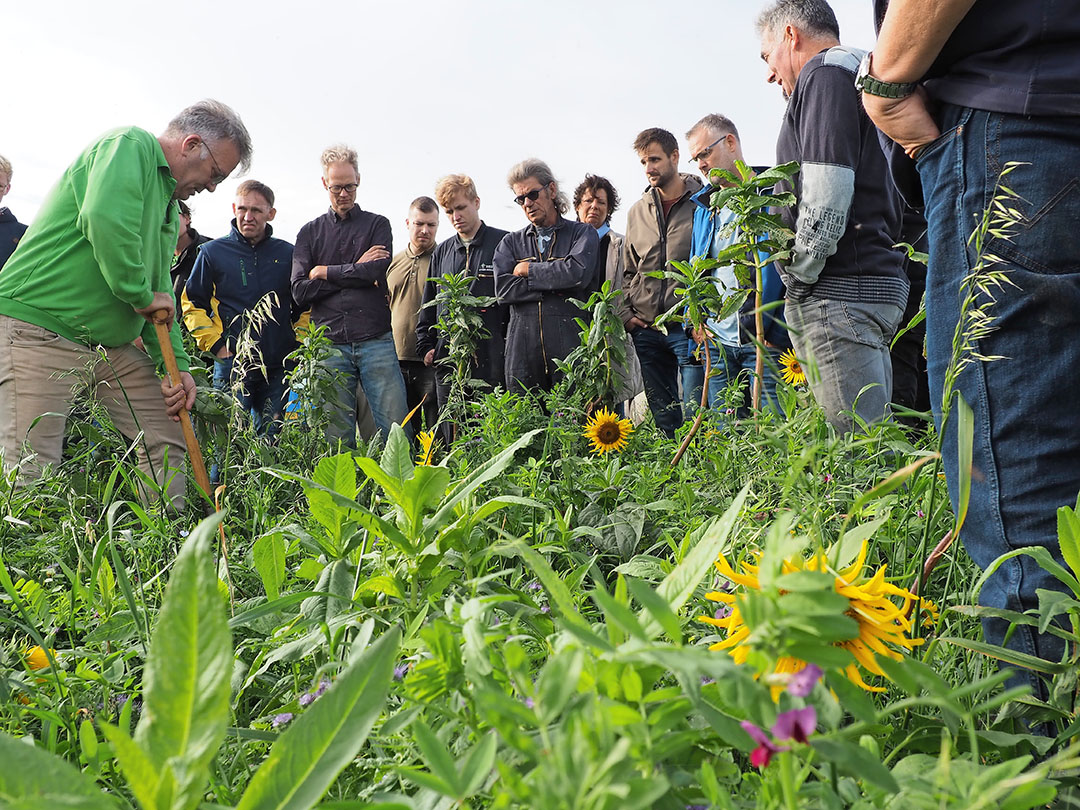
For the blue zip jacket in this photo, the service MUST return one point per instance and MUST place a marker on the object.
(706, 223)
(236, 275)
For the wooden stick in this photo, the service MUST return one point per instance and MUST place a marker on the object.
(167, 354)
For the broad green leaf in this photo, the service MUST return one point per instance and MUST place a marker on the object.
(618, 613)
(847, 550)
(396, 458)
(657, 607)
(380, 584)
(965, 438)
(680, 584)
(143, 776)
(1042, 557)
(268, 608)
(420, 494)
(317, 746)
(186, 680)
(33, 779)
(437, 758)
(856, 761)
(391, 486)
(558, 682)
(481, 475)
(337, 474)
(269, 557)
(478, 763)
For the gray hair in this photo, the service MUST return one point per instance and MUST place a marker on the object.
(720, 124)
(5, 167)
(541, 172)
(340, 153)
(213, 121)
(813, 17)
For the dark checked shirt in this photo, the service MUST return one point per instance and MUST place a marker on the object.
(352, 300)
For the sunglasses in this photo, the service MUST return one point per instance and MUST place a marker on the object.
(528, 195)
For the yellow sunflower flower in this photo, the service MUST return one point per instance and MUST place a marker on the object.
(426, 453)
(37, 658)
(790, 369)
(883, 628)
(607, 432)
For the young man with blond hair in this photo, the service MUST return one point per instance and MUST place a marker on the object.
(11, 230)
(470, 250)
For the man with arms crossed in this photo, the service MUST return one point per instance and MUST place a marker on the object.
(89, 277)
(339, 270)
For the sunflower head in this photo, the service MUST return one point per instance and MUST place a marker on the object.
(426, 453)
(790, 369)
(37, 658)
(607, 432)
(883, 629)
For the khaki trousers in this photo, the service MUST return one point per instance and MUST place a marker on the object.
(39, 369)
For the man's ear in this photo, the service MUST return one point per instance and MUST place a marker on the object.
(271, 215)
(191, 142)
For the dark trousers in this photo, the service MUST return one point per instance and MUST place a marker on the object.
(661, 356)
(420, 388)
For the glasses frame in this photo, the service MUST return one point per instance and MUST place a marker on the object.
(532, 196)
(220, 177)
(704, 153)
(348, 188)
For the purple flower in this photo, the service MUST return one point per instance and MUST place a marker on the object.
(802, 682)
(183, 532)
(797, 724)
(400, 671)
(529, 703)
(495, 620)
(706, 680)
(920, 513)
(281, 719)
(697, 807)
(826, 478)
(722, 612)
(533, 586)
(306, 699)
(323, 686)
(761, 755)
(545, 609)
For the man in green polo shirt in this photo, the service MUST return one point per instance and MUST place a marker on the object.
(87, 280)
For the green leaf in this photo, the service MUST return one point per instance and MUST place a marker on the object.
(310, 754)
(397, 456)
(143, 777)
(856, 761)
(558, 682)
(1069, 537)
(618, 613)
(269, 557)
(680, 584)
(391, 485)
(420, 494)
(478, 763)
(965, 438)
(186, 680)
(437, 758)
(893, 481)
(847, 550)
(657, 607)
(380, 584)
(552, 583)
(1042, 557)
(33, 779)
(1008, 656)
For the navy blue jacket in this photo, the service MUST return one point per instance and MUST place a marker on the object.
(238, 276)
(11, 231)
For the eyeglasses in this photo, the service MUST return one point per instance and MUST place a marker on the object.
(528, 195)
(704, 153)
(220, 176)
(346, 189)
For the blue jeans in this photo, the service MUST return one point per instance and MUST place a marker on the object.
(846, 349)
(1026, 458)
(661, 357)
(731, 364)
(264, 398)
(374, 365)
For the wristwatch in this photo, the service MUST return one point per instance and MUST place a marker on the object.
(865, 83)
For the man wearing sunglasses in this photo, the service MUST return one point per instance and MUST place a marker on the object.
(537, 271)
(339, 270)
(90, 276)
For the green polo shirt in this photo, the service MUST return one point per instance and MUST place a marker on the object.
(101, 245)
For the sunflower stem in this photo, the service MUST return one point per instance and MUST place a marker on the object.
(701, 411)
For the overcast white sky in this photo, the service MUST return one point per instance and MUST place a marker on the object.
(420, 89)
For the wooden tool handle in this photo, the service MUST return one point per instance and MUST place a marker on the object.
(167, 354)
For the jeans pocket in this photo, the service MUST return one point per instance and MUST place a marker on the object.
(870, 324)
(939, 143)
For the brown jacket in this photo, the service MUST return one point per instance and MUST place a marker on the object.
(651, 242)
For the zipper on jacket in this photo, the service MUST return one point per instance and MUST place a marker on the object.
(243, 273)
